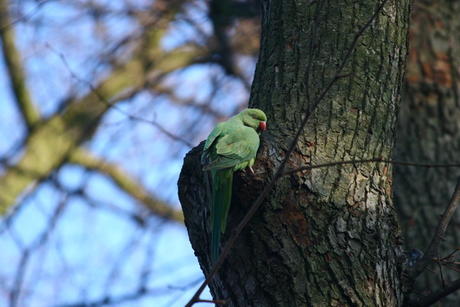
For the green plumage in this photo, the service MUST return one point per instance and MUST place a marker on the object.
(231, 146)
(222, 181)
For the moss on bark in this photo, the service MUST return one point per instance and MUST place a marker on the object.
(328, 237)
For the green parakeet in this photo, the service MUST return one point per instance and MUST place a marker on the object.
(232, 145)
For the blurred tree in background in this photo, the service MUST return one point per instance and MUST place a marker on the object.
(429, 130)
(100, 101)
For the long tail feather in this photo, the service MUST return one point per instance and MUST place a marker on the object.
(221, 199)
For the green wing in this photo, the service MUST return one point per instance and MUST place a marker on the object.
(229, 146)
(233, 149)
(215, 133)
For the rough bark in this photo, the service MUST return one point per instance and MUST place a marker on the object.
(328, 237)
(429, 130)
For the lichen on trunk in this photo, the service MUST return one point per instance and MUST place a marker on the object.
(326, 237)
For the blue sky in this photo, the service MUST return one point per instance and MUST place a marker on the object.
(94, 248)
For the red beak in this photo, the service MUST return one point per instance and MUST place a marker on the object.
(263, 126)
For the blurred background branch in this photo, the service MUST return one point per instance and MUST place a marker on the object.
(100, 102)
(102, 99)
(15, 70)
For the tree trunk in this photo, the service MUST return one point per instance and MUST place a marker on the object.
(429, 130)
(330, 236)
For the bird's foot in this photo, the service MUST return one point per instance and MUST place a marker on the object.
(251, 170)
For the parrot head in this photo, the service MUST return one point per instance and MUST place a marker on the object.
(254, 118)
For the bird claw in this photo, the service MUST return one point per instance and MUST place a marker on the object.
(252, 171)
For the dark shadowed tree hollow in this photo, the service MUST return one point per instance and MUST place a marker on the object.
(330, 236)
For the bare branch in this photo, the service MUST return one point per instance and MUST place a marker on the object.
(181, 57)
(118, 300)
(28, 251)
(188, 102)
(433, 248)
(139, 292)
(216, 302)
(19, 278)
(373, 160)
(127, 184)
(50, 143)
(12, 59)
(436, 296)
(25, 16)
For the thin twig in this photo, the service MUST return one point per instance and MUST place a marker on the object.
(441, 275)
(375, 160)
(433, 248)
(25, 16)
(279, 172)
(217, 302)
(451, 254)
(113, 105)
(19, 278)
(129, 185)
(436, 296)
